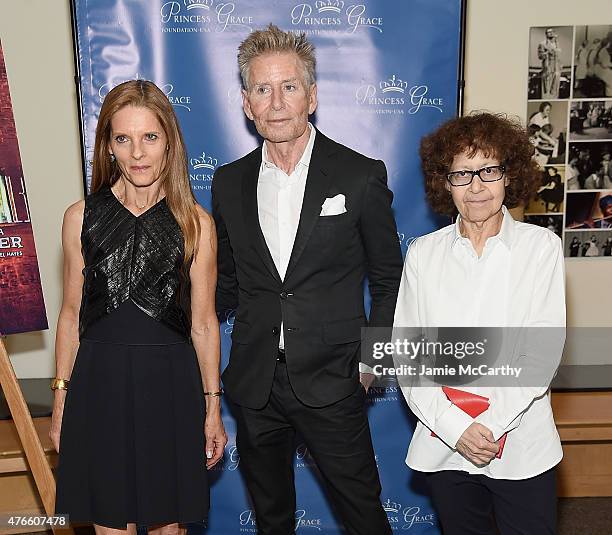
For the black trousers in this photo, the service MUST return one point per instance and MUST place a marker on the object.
(471, 504)
(338, 438)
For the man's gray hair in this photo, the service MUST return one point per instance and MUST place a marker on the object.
(272, 40)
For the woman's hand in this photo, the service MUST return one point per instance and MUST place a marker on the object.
(205, 333)
(477, 445)
(215, 437)
(56, 418)
(67, 332)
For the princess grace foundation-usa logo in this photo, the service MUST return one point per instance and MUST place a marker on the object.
(201, 171)
(324, 16)
(405, 518)
(395, 96)
(203, 16)
(175, 97)
(303, 522)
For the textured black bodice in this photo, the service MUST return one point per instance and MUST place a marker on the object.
(136, 258)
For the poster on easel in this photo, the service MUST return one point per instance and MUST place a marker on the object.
(569, 117)
(22, 307)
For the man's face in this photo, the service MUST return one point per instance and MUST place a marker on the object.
(278, 98)
(550, 33)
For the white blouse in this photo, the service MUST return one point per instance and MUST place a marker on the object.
(517, 282)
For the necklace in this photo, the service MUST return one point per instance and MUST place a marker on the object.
(122, 200)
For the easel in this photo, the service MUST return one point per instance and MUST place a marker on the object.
(43, 477)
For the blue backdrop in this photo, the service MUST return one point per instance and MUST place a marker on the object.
(387, 75)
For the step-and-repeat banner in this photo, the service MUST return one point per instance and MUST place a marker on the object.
(22, 307)
(386, 74)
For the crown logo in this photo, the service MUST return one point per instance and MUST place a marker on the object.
(392, 507)
(198, 4)
(329, 5)
(393, 84)
(205, 161)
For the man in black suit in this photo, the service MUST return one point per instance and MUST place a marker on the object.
(301, 221)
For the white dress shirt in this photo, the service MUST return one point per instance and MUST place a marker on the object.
(517, 281)
(279, 202)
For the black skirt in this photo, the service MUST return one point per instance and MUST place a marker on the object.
(132, 438)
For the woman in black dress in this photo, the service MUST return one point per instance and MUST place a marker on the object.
(551, 190)
(137, 335)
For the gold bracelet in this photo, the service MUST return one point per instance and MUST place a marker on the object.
(214, 394)
(61, 384)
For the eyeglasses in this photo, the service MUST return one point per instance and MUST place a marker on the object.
(492, 173)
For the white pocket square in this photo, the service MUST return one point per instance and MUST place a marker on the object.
(333, 205)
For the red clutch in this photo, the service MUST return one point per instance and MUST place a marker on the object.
(473, 405)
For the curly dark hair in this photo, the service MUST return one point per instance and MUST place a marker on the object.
(494, 135)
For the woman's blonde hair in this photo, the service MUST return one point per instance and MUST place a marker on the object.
(174, 175)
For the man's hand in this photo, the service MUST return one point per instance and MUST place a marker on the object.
(477, 445)
(366, 379)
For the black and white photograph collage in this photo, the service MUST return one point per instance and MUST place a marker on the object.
(569, 118)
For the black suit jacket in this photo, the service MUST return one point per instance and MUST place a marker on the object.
(320, 301)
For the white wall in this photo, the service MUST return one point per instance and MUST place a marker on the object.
(497, 49)
(37, 45)
(36, 39)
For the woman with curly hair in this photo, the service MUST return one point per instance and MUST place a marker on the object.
(485, 271)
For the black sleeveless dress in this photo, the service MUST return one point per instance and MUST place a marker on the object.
(132, 438)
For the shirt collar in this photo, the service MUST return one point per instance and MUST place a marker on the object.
(306, 155)
(505, 234)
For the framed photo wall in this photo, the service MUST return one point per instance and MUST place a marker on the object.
(569, 118)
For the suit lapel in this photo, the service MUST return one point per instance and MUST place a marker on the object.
(317, 184)
(251, 214)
